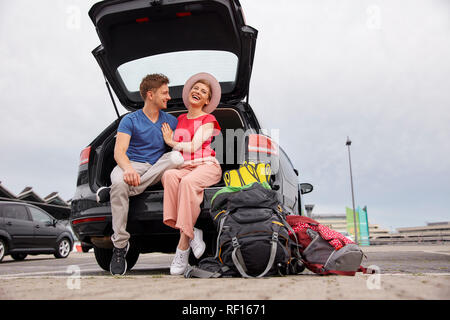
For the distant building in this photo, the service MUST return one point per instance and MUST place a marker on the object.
(433, 231)
(338, 222)
(53, 203)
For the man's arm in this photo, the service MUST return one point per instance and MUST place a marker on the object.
(130, 176)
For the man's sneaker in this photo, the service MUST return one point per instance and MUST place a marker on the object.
(197, 244)
(118, 265)
(180, 262)
(103, 194)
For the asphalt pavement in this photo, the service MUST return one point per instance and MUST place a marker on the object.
(403, 272)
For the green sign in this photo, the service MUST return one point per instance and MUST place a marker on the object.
(362, 225)
(350, 222)
(363, 234)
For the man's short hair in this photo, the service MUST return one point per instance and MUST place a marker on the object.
(152, 82)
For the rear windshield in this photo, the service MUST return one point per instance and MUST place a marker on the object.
(179, 66)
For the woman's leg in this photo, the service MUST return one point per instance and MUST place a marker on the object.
(190, 191)
(170, 181)
(183, 244)
(190, 195)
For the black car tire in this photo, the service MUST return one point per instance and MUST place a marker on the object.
(63, 248)
(19, 256)
(103, 257)
(2, 249)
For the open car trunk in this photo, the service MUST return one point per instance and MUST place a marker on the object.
(229, 153)
(177, 38)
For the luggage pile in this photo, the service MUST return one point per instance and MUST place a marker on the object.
(253, 234)
(256, 238)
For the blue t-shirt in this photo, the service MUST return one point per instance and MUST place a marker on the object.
(147, 142)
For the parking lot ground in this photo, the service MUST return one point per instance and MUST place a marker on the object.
(405, 272)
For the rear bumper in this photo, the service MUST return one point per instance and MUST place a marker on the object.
(145, 218)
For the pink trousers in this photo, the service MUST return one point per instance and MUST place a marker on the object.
(183, 193)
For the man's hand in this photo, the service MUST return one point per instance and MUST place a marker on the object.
(131, 177)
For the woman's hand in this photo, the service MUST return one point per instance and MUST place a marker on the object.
(167, 134)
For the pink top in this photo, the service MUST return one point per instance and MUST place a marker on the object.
(186, 129)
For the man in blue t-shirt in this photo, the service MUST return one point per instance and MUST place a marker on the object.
(141, 160)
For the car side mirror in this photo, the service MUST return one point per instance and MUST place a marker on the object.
(306, 188)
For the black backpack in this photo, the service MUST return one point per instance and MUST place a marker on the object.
(253, 238)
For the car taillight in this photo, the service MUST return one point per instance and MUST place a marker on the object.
(77, 221)
(262, 144)
(141, 20)
(84, 156)
(183, 14)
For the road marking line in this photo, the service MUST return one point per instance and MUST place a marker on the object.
(437, 252)
(414, 274)
(43, 273)
(46, 272)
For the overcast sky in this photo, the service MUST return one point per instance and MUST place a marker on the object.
(376, 71)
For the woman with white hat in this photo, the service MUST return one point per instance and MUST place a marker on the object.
(183, 187)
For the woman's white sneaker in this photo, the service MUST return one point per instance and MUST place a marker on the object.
(197, 244)
(180, 262)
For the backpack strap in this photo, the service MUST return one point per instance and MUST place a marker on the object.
(252, 171)
(341, 273)
(366, 270)
(288, 226)
(241, 180)
(222, 222)
(351, 273)
(238, 260)
(318, 268)
(196, 272)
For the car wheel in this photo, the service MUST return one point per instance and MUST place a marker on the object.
(18, 256)
(132, 256)
(63, 248)
(103, 257)
(2, 249)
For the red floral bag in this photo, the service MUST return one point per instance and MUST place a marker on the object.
(323, 250)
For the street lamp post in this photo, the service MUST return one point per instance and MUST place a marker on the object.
(348, 144)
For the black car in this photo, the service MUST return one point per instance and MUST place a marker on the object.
(177, 38)
(26, 229)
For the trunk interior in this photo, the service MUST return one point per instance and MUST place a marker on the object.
(228, 118)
